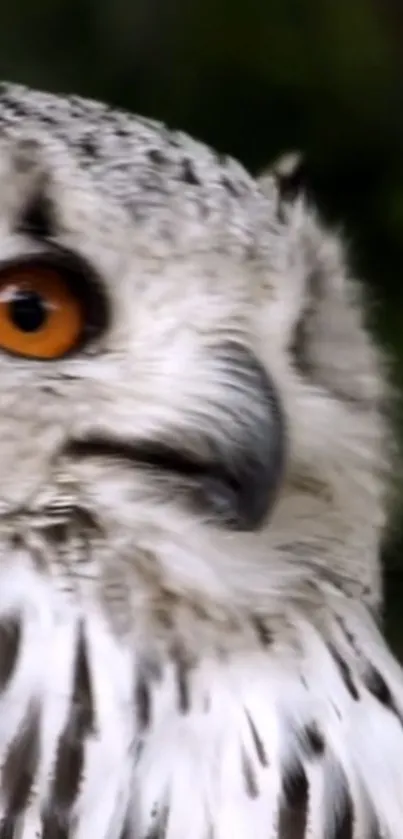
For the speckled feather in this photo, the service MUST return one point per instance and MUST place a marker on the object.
(161, 178)
(191, 504)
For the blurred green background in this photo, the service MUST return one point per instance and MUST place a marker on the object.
(256, 78)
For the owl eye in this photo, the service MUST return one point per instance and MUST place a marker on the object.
(41, 314)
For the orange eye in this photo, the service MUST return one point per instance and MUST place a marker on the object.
(40, 315)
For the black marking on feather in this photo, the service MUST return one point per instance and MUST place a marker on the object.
(10, 643)
(344, 828)
(377, 686)
(299, 344)
(257, 742)
(159, 827)
(249, 775)
(345, 672)
(143, 702)
(342, 822)
(89, 147)
(183, 687)
(188, 174)
(347, 633)
(88, 528)
(264, 634)
(372, 678)
(7, 829)
(57, 533)
(351, 638)
(20, 766)
(38, 216)
(314, 741)
(127, 831)
(138, 751)
(157, 157)
(230, 186)
(293, 817)
(182, 671)
(53, 827)
(82, 692)
(70, 752)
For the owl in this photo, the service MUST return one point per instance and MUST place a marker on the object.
(195, 466)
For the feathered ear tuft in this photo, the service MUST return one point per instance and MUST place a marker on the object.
(288, 173)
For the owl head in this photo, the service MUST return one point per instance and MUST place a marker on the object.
(192, 437)
(184, 357)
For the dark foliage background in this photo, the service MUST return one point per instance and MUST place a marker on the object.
(255, 78)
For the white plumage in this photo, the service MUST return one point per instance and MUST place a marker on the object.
(191, 500)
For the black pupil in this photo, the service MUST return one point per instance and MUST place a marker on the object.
(28, 310)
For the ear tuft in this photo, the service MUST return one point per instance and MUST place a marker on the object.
(288, 175)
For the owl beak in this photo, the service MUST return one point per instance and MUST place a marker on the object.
(238, 486)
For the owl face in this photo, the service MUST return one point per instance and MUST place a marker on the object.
(179, 344)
